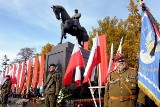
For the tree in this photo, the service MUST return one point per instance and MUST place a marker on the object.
(115, 29)
(47, 48)
(25, 54)
(132, 37)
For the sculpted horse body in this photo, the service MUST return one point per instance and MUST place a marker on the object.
(68, 26)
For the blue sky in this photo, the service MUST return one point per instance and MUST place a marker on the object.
(31, 23)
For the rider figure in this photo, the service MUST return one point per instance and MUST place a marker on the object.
(76, 19)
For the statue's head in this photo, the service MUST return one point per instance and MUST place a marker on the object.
(76, 10)
(56, 11)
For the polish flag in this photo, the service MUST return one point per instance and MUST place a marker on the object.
(8, 69)
(18, 72)
(110, 63)
(75, 61)
(119, 51)
(13, 74)
(35, 72)
(41, 73)
(93, 61)
(29, 70)
(22, 75)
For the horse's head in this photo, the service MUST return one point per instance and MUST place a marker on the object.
(56, 10)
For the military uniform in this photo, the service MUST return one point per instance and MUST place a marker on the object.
(52, 89)
(5, 91)
(122, 89)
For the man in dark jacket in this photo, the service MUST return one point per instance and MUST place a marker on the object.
(51, 87)
(5, 90)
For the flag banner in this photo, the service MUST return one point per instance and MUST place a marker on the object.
(149, 61)
(110, 64)
(94, 59)
(18, 72)
(119, 51)
(104, 63)
(29, 70)
(75, 61)
(35, 72)
(41, 73)
(22, 75)
(8, 69)
(153, 22)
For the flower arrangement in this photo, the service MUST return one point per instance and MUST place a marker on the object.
(62, 97)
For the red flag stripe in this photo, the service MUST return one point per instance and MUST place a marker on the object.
(22, 76)
(41, 73)
(104, 62)
(29, 72)
(35, 72)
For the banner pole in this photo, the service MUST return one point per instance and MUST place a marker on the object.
(92, 93)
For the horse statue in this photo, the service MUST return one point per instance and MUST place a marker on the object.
(68, 26)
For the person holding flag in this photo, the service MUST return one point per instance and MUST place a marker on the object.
(122, 88)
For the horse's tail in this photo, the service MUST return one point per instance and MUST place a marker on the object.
(85, 35)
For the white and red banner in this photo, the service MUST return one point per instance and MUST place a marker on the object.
(41, 73)
(35, 72)
(29, 71)
(75, 61)
(93, 61)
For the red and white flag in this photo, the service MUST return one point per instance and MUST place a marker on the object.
(110, 63)
(29, 71)
(119, 51)
(22, 75)
(35, 72)
(41, 73)
(93, 61)
(75, 61)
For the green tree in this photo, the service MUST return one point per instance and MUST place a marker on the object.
(115, 29)
(46, 48)
(132, 37)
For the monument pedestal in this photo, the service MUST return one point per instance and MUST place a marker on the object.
(60, 55)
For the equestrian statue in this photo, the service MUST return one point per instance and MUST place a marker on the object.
(70, 25)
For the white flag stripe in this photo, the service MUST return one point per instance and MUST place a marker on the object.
(93, 74)
(77, 74)
(111, 59)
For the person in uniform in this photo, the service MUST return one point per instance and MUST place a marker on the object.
(122, 87)
(5, 90)
(76, 19)
(51, 87)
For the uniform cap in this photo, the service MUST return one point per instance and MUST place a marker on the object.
(8, 76)
(52, 65)
(119, 58)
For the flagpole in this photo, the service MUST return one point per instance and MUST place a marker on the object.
(140, 2)
(99, 89)
(92, 93)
